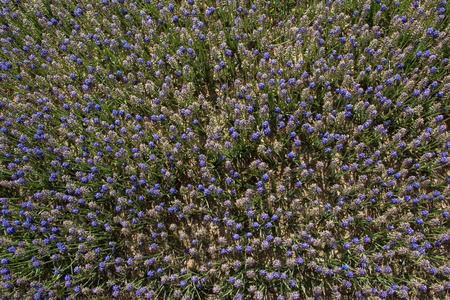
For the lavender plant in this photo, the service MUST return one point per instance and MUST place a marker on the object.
(224, 149)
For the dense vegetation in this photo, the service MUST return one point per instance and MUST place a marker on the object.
(224, 150)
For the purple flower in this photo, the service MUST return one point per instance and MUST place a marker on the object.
(209, 11)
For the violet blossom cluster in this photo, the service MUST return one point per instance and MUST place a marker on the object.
(224, 149)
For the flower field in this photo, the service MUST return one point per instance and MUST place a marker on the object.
(224, 149)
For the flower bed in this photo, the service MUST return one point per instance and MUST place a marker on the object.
(224, 150)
